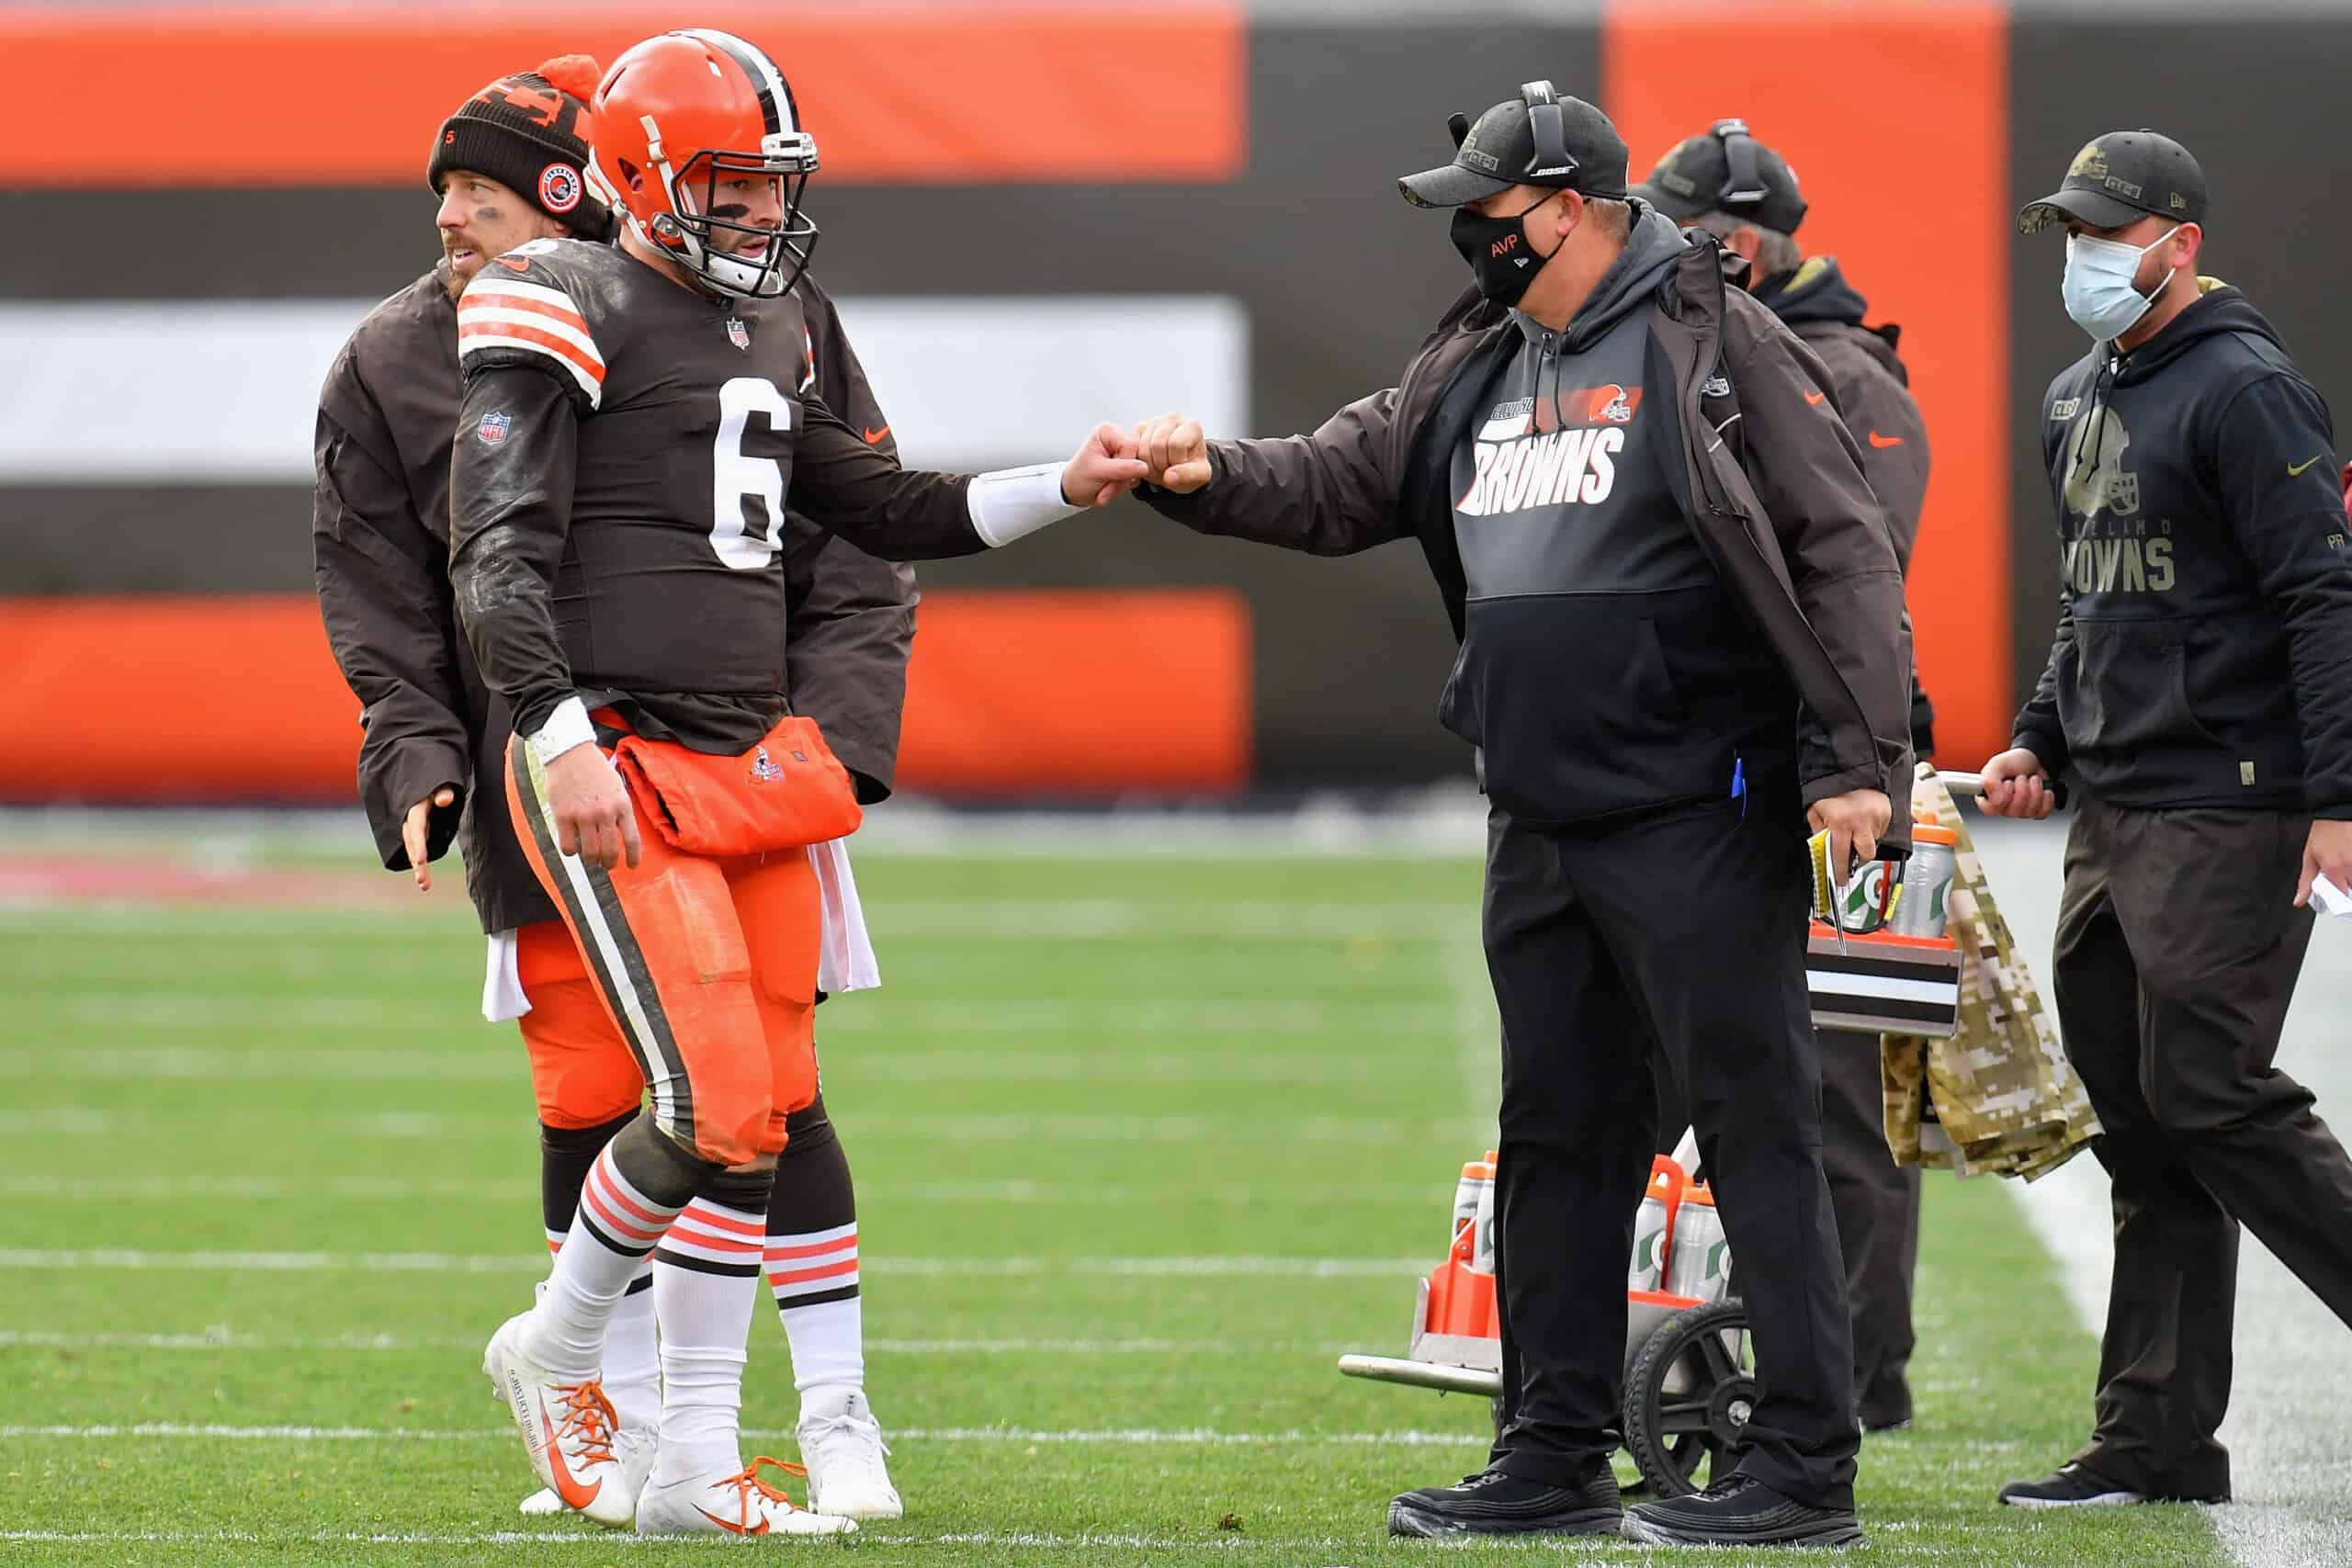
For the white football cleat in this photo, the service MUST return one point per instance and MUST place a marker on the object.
(731, 1503)
(567, 1429)
(841, 1443)
(635, 1449)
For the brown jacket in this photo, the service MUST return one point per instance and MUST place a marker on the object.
(1772, 483)
(1872, 391)
(379, 531)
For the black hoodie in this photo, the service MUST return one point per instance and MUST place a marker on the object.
(1604, 669)
(2204, 647)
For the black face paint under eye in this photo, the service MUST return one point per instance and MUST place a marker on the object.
(1500, 257)
(490, 215)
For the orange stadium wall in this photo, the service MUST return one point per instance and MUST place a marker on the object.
(1881, 89)
(1225, 173)
(163, 701)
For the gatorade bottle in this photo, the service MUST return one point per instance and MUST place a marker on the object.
(1477, 1179)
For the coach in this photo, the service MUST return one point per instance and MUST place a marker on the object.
(2200, 688)
(1654, 540)
(1745, 194)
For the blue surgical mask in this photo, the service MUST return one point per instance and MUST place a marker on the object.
(2098, 286)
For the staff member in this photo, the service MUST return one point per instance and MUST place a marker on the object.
(2200, 688)
(1746, 195)
(1655, 539)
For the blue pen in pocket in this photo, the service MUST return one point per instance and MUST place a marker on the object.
(1739, 783)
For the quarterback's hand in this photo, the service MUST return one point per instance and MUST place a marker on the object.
(1105, 470)
(593, 816)
(2017, 784)
(1175, 453)
(2329, 849)
(416, 832)
(1855, 821)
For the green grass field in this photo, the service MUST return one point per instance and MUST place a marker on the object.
(1142, 1145)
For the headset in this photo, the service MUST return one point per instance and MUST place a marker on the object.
(1743, 183)
(1545, 120)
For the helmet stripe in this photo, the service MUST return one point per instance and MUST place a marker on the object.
(767, 82)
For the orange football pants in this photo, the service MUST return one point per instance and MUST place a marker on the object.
(691, 979)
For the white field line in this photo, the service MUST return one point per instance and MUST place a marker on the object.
(68, 1062)
(1143, 1437)
(221, 1339)
(167, 1011)
(1254, 1127)
(893, 920)
(1058, 1194)
(1239, 1266)
(1445, 820)
(1087, 1541)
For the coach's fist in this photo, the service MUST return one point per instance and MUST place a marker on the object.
(593, 816)
(2017, 784)
(1174, 451)
(1105, 470)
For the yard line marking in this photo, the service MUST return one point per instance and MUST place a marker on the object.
(179, 1011)
(360, 1188)
(913, 920)
(381, 1341)
(1236, 1266)
(1251, 1127)
(1134, 1436)
(1082, 1541)
(272, 1064)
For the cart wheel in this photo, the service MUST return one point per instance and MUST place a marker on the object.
(1689, 1397)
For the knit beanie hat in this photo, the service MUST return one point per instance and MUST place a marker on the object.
(530, 132)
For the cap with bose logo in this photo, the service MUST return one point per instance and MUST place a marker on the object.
(2119, 179)
(1536, 139)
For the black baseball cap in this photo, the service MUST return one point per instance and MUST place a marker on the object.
(1536, 139)
(1726, 170)
(2120, 178)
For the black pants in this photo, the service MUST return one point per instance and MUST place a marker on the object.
(1877, 1205)
(1684, 929)
(2178, 952)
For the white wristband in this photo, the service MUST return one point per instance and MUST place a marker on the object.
(566, 728)
(1011, 504)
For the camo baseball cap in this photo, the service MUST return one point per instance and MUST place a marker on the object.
(2119, 179)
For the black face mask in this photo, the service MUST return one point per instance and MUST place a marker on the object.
(1498, 250)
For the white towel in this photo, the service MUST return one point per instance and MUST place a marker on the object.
(847, 961)
(502, 983)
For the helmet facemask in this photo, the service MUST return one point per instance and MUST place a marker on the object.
(690, 233)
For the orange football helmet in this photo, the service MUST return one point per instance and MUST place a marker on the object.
(673, 116)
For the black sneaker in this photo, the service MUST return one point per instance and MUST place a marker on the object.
(2071, 1486)
(1491, 1503)
(1740, 1511)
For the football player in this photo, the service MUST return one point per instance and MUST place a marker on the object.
(508, 167)
(633, 418)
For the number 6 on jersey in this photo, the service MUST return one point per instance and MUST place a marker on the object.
(734, 476)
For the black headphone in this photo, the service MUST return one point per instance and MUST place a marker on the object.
(1543, 119)
(1744, 184)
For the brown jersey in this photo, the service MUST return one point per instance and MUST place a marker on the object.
(623, 452)
(380, 540)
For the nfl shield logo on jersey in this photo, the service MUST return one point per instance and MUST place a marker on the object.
(737, 333)
(764, 768)
(493, 428)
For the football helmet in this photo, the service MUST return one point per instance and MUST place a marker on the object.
(676, 115)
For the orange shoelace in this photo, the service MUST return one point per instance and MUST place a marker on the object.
(588, 1416)
(748, 1480)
